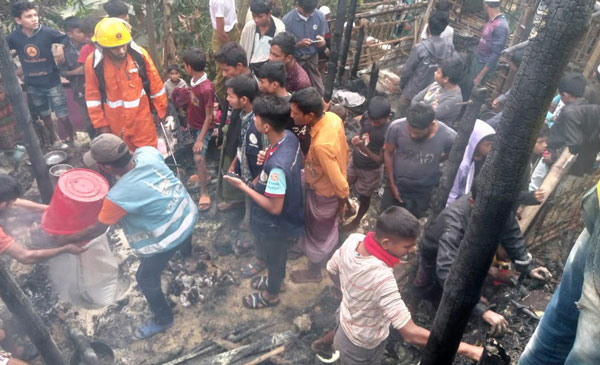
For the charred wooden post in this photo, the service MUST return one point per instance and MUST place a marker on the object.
(19, 305)
(336, 40)
(558, 28)
(359, 45)
(32, 144)
(151, 32)
(374, 77)
(347, 38)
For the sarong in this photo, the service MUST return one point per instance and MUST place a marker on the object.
(321, 227)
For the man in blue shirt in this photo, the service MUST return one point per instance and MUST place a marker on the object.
(33, 43)
(309, 26)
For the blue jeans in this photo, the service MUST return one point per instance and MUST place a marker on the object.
(196, 132)
(42, 98)
(569, 332)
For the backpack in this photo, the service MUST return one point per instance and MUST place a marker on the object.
(138, 59)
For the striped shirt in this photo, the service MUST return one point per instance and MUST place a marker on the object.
(371, 300)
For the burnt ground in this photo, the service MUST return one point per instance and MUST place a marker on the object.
(212, 292)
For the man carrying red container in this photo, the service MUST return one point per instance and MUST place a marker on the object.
(155, 210)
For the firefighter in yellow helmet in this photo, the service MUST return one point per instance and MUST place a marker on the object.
(121, 82)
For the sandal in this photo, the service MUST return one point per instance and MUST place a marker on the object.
(204, 202)
(262, 283)
(258, 301)
(150, 329)
(252, 268)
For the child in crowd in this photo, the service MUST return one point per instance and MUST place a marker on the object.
(365, 170)
(363, 269)
(199, 117)
(277, 216)
(271, 79)
(174, 81)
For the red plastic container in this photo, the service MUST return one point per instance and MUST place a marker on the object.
(76, 202)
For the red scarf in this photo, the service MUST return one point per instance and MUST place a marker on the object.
(376, 250)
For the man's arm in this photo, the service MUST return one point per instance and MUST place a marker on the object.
(409, 67)
(273, 205)
(359, 144)
(28, 257)
(420, 96)
(513, 242)
(76, 71)
(86, 234)
(23, 203)
(93, 98)
(221, 34)
(499, 37)
(158, 94)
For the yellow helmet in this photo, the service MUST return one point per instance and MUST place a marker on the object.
(111, 32)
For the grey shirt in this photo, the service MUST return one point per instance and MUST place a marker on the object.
(446, 103)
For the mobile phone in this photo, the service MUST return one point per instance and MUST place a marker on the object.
(230, 174)
(315, 41)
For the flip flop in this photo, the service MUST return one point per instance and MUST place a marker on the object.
(150, 329)
(257, 301)
(204, 202)
(252, 268)
(262, 283)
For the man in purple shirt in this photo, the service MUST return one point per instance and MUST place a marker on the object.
(283, 47)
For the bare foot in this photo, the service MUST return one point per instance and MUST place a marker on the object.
(323, 344)
(305, 276)
(226, 206)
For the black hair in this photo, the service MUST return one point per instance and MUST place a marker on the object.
(572, 83)
(194, 57)
(438, 22)
(397, 222)
(453, 68)
(121, 161)
(443, 5)
(231, 54)
(420, 115)
(89, 24)
(379, 107)
(308, 5)
(339, 110)
(274, 72)
(10, 189)
(493, 5)
(544, 131)
(71, 23)
(260, 6)
(308, 101)
(115, 8)
(174, 68)
(18, 8)
(273, 110)
(243, 85)
(286, 41)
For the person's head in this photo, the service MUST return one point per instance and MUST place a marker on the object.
(117, 9)
(484, 147)
(194, 60)
(25, 14)
(419, 121)
(571, 87)
(10, 190)
(174, 72)
(283, 46)
(438, 22)
(109, 153)
(241, 91)
(443, 5)
(450, 72)
(271, 77)
(307, 106)
(542, 140)
(270, 113)
(326, 11)
(89, 26)
(396, 231)
(378, 111)
(232, 60)
(113, 36)
(306, 7)
(73, 26)
(261, 12)
(339, 110)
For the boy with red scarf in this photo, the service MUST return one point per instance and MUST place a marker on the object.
(362, 268)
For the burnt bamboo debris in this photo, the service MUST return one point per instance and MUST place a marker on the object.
(347, 38)
(20, 306)
(374, 77)
(336, 40)
(21, 112)
(359, 46)
(554, 37)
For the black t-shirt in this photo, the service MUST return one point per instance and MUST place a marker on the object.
(417, 164)
(374, 138)
(35, 54)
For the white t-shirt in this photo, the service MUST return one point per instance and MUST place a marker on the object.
(223, 9)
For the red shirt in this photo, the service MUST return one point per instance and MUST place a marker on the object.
(5, 240)
(201, 95)
(85, 51)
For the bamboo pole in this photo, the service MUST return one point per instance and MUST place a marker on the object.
(359, 46)
(347, 38)
(336, 40)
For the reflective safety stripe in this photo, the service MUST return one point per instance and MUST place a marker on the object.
(93, 103)
(126, 104)
(162, 91)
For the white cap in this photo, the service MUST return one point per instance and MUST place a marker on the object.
(325, 10)
(598, 69)
(491, 1)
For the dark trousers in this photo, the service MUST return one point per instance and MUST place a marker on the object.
(148, 279)
(418, 207)
(274, 252)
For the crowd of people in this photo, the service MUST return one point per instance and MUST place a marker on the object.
(284, 156)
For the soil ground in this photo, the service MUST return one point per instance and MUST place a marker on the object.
(215, 307)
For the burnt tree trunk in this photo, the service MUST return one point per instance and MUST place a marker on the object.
(170, 52)
(559, 26)
(19, 305)
(359, 45)
(336, 40)
(149, 22)
(347, 38)
(23, 119)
